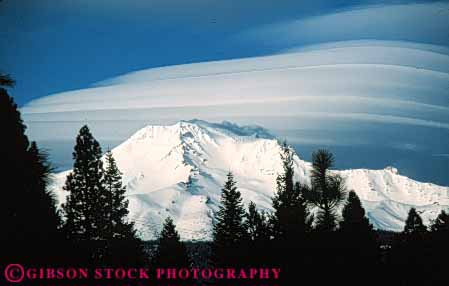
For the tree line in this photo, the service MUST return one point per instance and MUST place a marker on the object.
(304, 235)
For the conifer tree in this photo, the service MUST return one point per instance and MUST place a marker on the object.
(414, 237)
(441, 223)
(291, 219)
(414, 223)
(410, 250)
(327, 191)
(124, 247)
(13, 153)
(171, 251)
(229, 233)
(256, 224)
(259, 246)
(357, 237)
(354, 220)
(28, 217)
(46, 217)
(96, 207)
(87, 197)
(439, 248)
(117, 226)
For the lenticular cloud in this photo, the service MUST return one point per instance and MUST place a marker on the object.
(370, 81)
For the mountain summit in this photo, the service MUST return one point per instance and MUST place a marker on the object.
(179, 170)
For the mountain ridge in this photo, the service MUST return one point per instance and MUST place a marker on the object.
(178, 170)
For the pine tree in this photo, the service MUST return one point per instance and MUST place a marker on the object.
(414, 236)
(229, 233)
(87, 198)
(171, 251)
(439, 248)
(414, 223)
(441, 223)
(354, 220)
(327, 191)
(117, 208)
(256, 224)
(124, 247)
(410, 250)
(96, 207)
(43, 200)
(28, 217)
(357, 237)
(14, 156)
(291, 219)
(259, 245)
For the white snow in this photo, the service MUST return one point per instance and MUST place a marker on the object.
(179, 170)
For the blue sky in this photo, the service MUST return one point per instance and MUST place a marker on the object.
(52, 46)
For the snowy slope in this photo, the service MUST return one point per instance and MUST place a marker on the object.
(178, 170)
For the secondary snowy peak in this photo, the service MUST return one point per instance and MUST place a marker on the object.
(377, 185)
(179, 170)
(388, 196)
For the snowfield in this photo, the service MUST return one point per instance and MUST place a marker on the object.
(178, 171)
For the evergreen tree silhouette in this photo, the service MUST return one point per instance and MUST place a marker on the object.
(409, 252)
(414, 224)
(43, 200)
(259, 246)
(28, 217)
(85, 184)
(327, 191)
(124, 247)
(291, 218)
(87, 201)
(257, 225)
(14, 148)
(117, 227)
(441, 223)
(354, 220)
(171, 252)
(439, 247)
(358, 240)
(229, 234)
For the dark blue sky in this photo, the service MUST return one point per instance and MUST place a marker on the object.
(50, 46)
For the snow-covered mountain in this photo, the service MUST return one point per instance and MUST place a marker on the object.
(178, 171)
(356, 95)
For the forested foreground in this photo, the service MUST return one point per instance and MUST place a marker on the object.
(305, 236)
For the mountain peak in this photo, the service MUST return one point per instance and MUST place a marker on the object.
(178, 171)
(392, 170)
(245, 130)
(200, 129)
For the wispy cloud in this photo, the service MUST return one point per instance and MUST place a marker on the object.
(441, 155)
(384, 22)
